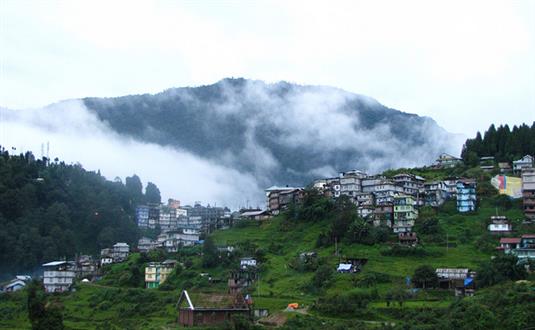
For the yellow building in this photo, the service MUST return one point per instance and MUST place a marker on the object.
(156, 273)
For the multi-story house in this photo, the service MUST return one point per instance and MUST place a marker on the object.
(333, 188)
(59, 275)
(526, 248)
(181, 237)
(383, 215)
(86, 266)
(212, 217)
(436, 193)
(364, 199)
(405, 213)
(466, 195)
(411, 184)
(365, 211)
(451, 186)
(350, 182)
(120, 252)
(528, 192)
(368, 184)
(447, 161)
(142, 216)
(154, 215)
(106, 257)
(525, 162)
(146, 244)
(278, 198)
(156, 273)
(384, 191)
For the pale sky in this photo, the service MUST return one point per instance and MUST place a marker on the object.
(466, 64)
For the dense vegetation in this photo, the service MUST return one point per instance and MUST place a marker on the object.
(397, 287)
(50, 211)
(251, 119)
(504, 144)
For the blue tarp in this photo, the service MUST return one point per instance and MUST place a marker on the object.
(468, 281)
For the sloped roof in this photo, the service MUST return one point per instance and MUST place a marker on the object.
(200, 301)
(509, 240)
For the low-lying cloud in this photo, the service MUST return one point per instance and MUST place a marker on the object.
(77, 136)
(292, 134)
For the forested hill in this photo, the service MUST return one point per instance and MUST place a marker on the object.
(503, 143)
(280, 133)
(57, 210)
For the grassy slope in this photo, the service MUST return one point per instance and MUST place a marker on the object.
(93, 306)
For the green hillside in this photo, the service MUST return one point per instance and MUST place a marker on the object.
(377, 296)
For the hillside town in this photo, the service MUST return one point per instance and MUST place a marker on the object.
(393, 202)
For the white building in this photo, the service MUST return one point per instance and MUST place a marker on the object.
(58, 276)
(247, 262)
(120, 252)
(525, 162)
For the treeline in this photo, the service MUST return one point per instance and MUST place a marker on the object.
(503, 143)
(54, 210)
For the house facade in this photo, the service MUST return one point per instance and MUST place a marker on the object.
(156, 273)
(447, 161)
(405, 214)
(528, 192)
(466, 195)
(59, 276)
(525, 162)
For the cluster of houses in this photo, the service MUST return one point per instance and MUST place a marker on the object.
(170, 241)
(58, 276)
(173, 217)
(393, 202)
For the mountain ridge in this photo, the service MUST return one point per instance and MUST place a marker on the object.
(290, 133)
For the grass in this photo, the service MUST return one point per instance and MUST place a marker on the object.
(107, 306)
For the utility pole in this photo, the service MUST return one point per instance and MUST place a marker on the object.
(447, 245)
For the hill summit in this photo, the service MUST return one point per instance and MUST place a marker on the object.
(279, 133)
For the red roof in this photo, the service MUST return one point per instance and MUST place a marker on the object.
(509, 240)
(528, 236)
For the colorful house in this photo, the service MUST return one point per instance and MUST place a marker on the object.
(466, 195)
(405, 213)
(156, 273)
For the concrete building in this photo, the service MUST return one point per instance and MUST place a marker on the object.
(156, 273)
(142, 216)
(120, 252)
(447, 161)
(405, 213)
(528, 192)
(58, 276)
(436, 193)
(525, 162)
(466, 195)
(278, 198)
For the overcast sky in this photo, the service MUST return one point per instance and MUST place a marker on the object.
(466, 64)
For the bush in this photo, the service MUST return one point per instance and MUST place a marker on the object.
(407, 251)
(347, 303)
(372, 279)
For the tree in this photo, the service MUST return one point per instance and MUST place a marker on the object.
(425, 276)
(152, 193)
(135, 188)
(500, 269)
(43, 314)
(209, 253)
(322, 277)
